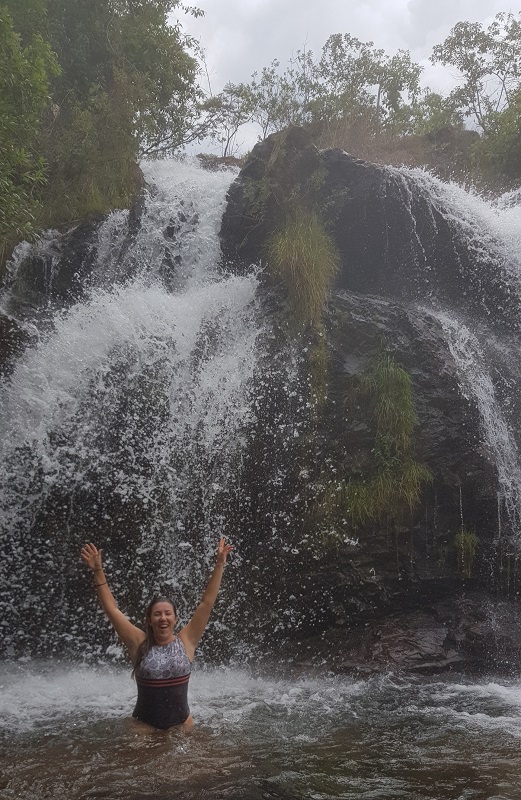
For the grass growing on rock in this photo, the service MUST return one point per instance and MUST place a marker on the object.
(305, 258)
(394, 482)
(466, 543)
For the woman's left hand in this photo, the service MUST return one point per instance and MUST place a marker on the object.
(223, 551)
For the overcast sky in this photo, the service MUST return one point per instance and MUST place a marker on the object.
(242, 36)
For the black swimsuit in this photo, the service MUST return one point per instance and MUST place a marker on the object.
(162, 685)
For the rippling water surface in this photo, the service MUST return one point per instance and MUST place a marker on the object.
(67, 733)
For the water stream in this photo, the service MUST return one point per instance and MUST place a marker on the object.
(66, 734)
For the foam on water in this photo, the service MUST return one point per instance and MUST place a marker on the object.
(43, 696)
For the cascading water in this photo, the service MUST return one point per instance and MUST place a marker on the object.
(475, 373)
(127, 421)
(478, 308)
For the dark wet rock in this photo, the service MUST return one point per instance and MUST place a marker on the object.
(396, 234)
(388, 569)
(373, 600)
(55, 273)
(468, 631)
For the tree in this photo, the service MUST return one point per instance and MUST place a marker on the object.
(398, 82)
(227, 112)
(351, 82)
(500, 148)
(25, 71)
(432, 111)
(357, 80)
(126, 87)
(489, 65)
(280, 98)
(346, 71)
(129, 46)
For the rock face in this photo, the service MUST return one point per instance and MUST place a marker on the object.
(397, 234)
(396, 597)
(55, 273)
(353, 592)
(466, 632)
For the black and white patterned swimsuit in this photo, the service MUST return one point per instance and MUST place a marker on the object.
(162, 685)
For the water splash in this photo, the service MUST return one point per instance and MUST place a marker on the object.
(173, 238)
(491, 229)
(127, 422)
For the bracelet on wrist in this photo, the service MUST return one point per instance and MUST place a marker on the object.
(101, 584)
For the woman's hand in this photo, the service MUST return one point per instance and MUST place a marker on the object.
(91, 556)
(223, 551)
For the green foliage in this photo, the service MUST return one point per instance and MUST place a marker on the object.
(71, 135)
(228, 111)
(305, 258)
(25, 71)
(354, 95)
(133, 37)
(432, 112)
(466, 543)
(489, 62)
(351, 79)
(91, 150)
(396, 478)
(283, 98)
(388, 388)
(499, 150)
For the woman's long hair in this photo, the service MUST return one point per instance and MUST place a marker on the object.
(149, 640)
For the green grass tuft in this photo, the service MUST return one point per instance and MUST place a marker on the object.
(305, 258)
(466, 543)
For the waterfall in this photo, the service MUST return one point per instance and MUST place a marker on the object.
(477, 384)
(125, 423)
(167, 403)
(464, 261)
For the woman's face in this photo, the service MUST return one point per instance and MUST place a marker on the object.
(162, 621)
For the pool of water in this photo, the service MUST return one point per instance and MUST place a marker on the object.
(66, 733)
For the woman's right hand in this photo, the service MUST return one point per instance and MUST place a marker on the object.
(91, 556)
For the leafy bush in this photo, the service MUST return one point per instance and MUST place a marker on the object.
(25, 72)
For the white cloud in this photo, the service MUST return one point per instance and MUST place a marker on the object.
(241, 36)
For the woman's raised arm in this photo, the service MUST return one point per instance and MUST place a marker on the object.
(193, 631)
(130, 635)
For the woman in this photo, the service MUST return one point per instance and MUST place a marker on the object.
(162, 660)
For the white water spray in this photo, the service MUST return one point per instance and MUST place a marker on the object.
(136, 403)
(477, 385)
